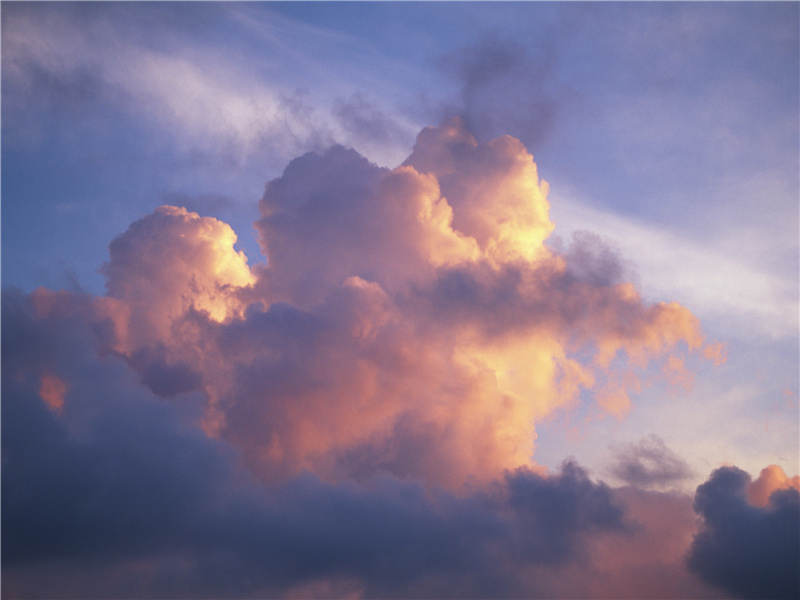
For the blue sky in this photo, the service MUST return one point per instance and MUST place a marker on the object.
(668, 130)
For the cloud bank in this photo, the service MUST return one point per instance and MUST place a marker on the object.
(357, 415)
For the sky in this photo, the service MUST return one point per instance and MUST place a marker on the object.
(377, 299)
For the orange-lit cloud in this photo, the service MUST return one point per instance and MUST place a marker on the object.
(410, 320)
(173, 261)
(369, 396)
(770, 479)
(53, 391)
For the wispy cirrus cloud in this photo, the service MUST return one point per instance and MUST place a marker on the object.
(204, 94)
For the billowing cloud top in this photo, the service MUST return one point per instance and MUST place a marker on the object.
(409, 321)
(373, 389)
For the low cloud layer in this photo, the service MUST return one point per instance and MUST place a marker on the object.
(355, 416)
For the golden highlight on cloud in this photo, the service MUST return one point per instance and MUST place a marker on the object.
(770, 479)
(410, 321)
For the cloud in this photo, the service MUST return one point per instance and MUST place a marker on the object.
(409, 321)
(172, 261)
(748, 551)
(650, 464)
(101, 64)
(444, 255)
(113, 464)
(122, 485)
(646, 559)
(121, 494)
(202, 95)
(770, 479)
(362, 118)
(735, 286)
(506, 86)
(355, 415)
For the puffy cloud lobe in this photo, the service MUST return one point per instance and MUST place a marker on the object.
(174, 260)
(547, 506)
(749, 551)
(336, 215)
(493, 187)
(770, 479)
(170, 277)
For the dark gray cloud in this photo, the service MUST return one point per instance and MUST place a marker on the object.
(164, 377)
(119, 480)
(116, 474)
(591, 259)
(508, 87)
(748, 551)
(650, 463)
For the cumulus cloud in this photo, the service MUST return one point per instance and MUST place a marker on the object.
(413, 320)
(410, 321)
(770, 479)
(355, 415)
(748, 551)
(174, 260)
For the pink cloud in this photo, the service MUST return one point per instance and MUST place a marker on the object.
(410, 320)
(770, 479)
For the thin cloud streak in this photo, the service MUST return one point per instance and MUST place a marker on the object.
(204, 95)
